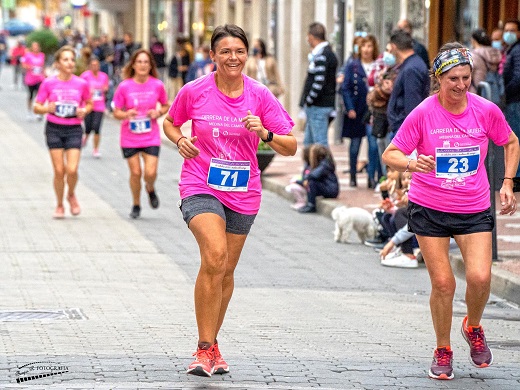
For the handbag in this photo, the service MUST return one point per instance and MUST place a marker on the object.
(379, 125)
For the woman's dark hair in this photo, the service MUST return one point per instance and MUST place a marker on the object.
(263, 50)
(480, 35)
(128, 70)
(434, 82)
(228, 30)
(318, 153)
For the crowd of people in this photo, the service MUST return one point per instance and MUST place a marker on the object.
(427, 133)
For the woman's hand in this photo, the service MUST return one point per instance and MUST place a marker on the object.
(131, 113)
(186, 147)
(51, 107)
(351, 114)
(254, 124)
(507, 198)
(424, 164)
(154, 114)
(386, 249)
(81, 113)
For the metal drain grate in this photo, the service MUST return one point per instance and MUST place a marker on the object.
(32, 315)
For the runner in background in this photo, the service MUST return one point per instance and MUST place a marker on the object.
(33, 63)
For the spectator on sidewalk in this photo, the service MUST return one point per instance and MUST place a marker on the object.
(65, 99)
(263, 67)
(512, 76)
(220, 180)
(418, 47)
(296, 186)
(159, 54)
(321, 179)
(449, 195)
(485, 57)
(202, 65)
(498, 43)
(411, 85)
(3, 52)
(318, 96)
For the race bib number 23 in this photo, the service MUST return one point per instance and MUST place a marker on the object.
(457, 162)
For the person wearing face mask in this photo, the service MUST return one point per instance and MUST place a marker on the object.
(411, 85)
(262, 67)
(511, 76)
(485, 57)
(497, 43)
(202, 65)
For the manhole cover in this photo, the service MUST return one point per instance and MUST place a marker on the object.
(31, 315)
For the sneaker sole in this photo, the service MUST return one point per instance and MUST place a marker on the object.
(221, 371)
(483, 365)
(440, 377)
(199, 371)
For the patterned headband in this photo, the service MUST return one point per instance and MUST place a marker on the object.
(450, 58)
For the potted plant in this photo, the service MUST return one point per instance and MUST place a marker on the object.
(264, 155)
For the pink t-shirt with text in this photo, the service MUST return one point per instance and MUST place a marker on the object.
(141, 131)
(459, 144)
(68, 95)
(36, 72)
(98, 85)
(225, 145)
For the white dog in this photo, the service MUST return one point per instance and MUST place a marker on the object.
(353, 218)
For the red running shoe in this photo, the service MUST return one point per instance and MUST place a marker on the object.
(442, 364)
(204, 362)
(479, 353)
(221, 367)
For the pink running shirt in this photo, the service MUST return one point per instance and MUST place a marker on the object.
(98, 85)
(223, 138)
(69, 96)
(142, 131)
(36, 72)
(459, 144)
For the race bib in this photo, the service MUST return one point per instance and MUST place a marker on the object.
(140, 125)
(225, 175)
(66, 109)
(37, 70)
(456, 162)
(97, 94)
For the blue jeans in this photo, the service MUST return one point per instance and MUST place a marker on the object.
(355, 144)
(317, 125)
(373, 156)
(512, 113)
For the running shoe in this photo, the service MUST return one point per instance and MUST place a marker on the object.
(442, 364)
(204, 362)
(220, 367)
(400, 261)
(96, 153)
(136, 212)
(479, 353)
(74, 205)
(154, 200)
(59, 213)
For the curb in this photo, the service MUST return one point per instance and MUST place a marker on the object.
(503, 283)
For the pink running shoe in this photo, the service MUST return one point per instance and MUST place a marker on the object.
(479, 353)
(204, 362)
(74, 205)
(96, 153)
(442, 364)
(59, 213)
(221, 367)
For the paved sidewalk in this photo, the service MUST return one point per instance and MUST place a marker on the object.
(506, 272)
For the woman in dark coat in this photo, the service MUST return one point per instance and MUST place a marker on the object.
(354, 91)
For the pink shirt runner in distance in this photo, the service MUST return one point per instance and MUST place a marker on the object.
(216, 121)
(36, 72)
(143, 97)
(459, 139)
(98, 85)
(73, 92)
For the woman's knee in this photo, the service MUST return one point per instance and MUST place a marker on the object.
(444, 285)
(478, 280)
(214, 261)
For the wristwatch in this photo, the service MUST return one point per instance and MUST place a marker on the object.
(270, 136)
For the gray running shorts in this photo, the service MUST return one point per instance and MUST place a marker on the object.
(236, 223)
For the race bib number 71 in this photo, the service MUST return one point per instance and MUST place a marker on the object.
(225, 175)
